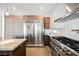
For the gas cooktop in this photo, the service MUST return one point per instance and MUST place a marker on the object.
(69, 42)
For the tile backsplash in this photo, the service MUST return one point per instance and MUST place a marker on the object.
(67, 29)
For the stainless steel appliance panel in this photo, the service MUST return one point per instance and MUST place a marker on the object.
(34, 33)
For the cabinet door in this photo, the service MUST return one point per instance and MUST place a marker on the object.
(46, 39)
(21, 50)
(46, 22)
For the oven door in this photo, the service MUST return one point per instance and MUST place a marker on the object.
(57, 52)
(54, 50)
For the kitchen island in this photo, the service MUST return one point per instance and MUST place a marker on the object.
(13, 47)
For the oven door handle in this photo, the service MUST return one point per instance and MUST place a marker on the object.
(52, 44)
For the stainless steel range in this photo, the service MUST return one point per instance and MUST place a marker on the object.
(69, 42)
(65, 46)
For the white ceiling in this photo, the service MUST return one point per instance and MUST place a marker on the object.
(31, 8)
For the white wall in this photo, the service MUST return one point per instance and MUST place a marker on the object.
(59, 12)
(68, 26)
(65, 28)
(14, 27)
(0, 24)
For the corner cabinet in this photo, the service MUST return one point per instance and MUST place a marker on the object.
(46, 22)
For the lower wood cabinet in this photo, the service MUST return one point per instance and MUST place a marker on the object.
(46, 39)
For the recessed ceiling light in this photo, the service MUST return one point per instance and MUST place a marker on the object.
(13, 8)
(68, 9)
(7, 13)
(41, 7)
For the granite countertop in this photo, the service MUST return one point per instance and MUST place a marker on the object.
(10, 44)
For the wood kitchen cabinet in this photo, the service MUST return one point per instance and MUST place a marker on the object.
(20, 51)
(46, 22)
(45, 19)
(46, 39)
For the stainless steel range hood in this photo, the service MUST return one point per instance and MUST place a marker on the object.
(72, 6)
(71, 15)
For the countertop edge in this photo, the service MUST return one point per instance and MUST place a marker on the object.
(11, 49)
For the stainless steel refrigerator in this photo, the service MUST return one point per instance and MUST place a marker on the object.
(34, 32)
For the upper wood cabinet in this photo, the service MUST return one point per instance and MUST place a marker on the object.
(46, 22)
(33, 17)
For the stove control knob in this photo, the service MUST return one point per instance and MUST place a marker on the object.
(68, 53)
(65, 50)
